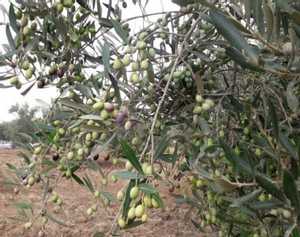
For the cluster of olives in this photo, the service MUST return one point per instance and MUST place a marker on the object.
(140, 202)
(202, 105)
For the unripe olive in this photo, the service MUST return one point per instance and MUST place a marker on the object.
(286, 214)
(120, 195)
(148, 170)
(128, 125)
(134, 192)
(61, 131)
(31, 181)
(131, 213)
(24, 21)
(70, 155)
(14, 80)
(128, 166)
(104, 181)
(89, 211)
(134, 66)
(59, 7)
(121, 222)
(104, 115)
(154, 203)
(197, 109)
(28, 225)
(114, 178)
(126, 60)
(18, 13)
(141, 45)
(37, 150)
(144, 64)
(117, 64)
(258, 152)
(147, 201)
(199, 98)
(98, 105)
(134, 78)
(97, 194)
(28, 73)
(67, 3)
(144, 217)
(139, 211)
(59, 202)
(151, 52)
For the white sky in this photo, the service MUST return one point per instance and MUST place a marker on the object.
(11, 96)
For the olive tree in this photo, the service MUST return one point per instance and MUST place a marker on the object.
(208, 94)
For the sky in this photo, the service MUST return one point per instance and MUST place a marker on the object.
(11, 96)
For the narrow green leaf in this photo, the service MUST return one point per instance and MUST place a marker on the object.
(106, 56)
(273, 118)
(88, 183)
(290, 147)
(291, 98)
(290, 190)
(269, 186)
(120, 31)
(233, 35)
(23, 205)
(238, 202)
(127, 199)
(10, 38)
(147, 189)
(240, 164)
(130, 155)
(123, 174)
(13, 19)
(54, 219)
(77, 179)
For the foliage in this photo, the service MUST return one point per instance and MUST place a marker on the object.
(18, 129)
(208, 94)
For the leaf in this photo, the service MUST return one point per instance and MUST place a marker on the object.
(238, 202)
(290, 190)
(157, 198)
(120, 31)
(273, 117)
(27, 89)
(269, 16)
(127, 199)
(88, 183)
(236, 161)
(10, 166)
(258, 15)
(130, 155)
(91, 117)
(147, 189)
(13, 19)
(290, 147)
(23, 205)
(127, 175)
(106, 56)
(241, 60)
(84, 4)
(291, 98)
(99, 9)
(54, 219)
(10, 38)
(233, 35)
(269, 186)
(99, 234)
(77, 179)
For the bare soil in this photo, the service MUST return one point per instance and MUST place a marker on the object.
(172, 222)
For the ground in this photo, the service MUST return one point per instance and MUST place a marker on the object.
(172, 222)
